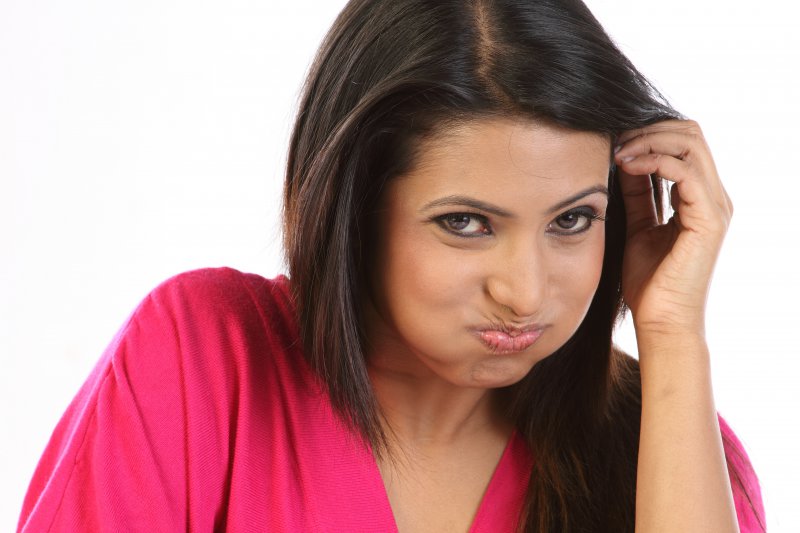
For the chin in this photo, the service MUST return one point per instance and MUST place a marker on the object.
(498, 374)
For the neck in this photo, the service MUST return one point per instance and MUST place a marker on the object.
(422, 411)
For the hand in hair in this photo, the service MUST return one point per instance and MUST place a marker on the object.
(682, 481)
(667, 267)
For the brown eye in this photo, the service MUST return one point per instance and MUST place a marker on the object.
(574, 221)
(570, 220)
(464, 224)
(458, 222)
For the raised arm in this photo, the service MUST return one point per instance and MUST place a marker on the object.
(682, 482)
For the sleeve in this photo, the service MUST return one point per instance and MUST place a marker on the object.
(122, 458)
(744, 482)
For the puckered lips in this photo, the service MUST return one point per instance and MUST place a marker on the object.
(501, 338)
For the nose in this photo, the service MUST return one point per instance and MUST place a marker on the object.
(518, 280)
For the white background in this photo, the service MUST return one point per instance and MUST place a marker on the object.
(139, 139)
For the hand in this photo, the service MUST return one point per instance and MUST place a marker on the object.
(667, 268)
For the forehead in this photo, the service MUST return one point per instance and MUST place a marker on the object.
(508, 158)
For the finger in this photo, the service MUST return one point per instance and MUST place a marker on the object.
(640, 206)
(671, 143)
(686, 147)
(672, 125)
(728, 202)
(682, 139)
(696, 203)
(694, 188)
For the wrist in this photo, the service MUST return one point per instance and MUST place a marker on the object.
(689, 329)
(669, 315)
(673, 343)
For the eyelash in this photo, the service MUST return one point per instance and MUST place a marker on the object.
(586, 212)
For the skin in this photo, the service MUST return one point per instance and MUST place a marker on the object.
(429, 290)
(682, 482)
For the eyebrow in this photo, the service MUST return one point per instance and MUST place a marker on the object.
(597, 189)
(459, 200)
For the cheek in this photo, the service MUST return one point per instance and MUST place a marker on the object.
(592, 269)
(594, 263)
(425, 274)
(579, 275)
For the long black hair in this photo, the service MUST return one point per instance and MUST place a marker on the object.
(390, 74)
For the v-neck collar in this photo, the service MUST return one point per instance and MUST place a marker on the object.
(337, 482)
(501, 503)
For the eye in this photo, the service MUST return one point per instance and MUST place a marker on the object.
(464, 224)
(574, 221)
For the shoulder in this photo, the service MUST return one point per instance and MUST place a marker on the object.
(206, 356)
(221, 311)
(209, 350)
(216, 305)
(207, 331)
(219, 293)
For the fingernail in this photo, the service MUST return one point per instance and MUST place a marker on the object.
(627, 158)
(617, 148)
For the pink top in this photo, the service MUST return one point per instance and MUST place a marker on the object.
(202, 415)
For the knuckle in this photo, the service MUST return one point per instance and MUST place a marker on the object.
(641, 142)
(692, 125)
(694, 131)
(726, 199)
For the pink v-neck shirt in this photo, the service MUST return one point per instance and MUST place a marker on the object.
(202, 415)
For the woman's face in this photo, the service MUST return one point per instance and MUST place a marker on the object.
(488, 252)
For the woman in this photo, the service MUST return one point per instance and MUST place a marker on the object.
(468, 203)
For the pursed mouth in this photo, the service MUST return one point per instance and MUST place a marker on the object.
(511, 330)
(510, 339)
